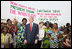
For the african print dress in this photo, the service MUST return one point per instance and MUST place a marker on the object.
(54, 43)
(46, 40)
(20, 37)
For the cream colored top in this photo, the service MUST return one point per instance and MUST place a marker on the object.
(8, 40)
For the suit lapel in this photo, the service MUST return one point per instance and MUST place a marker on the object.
(29, 28)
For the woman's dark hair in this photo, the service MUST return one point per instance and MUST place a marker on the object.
(41, 22)
(51, 25)
(67, 24)
(8, 20)
(47, 22)
(56, 24)
(24, 19)
(5, 27)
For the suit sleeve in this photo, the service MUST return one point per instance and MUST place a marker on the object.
(25, 37)
(37, 32)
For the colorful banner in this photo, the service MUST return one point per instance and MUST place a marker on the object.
(41, 15)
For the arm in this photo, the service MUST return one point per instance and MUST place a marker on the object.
(37, 32)
(10, 41)
(67, 43)
(25, 33)
(48, 34)
(25, 37)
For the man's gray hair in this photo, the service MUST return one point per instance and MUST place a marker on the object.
(32, 18)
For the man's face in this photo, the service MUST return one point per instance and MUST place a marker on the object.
(24, 22)
(30, 20)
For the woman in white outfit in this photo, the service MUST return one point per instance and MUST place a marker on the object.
(41, 34)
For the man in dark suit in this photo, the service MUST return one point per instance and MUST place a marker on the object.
(31, 33)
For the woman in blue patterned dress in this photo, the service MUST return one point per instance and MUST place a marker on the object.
(20, 34)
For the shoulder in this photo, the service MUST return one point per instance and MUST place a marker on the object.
(50, 31)
(49, 28)
(27, 24)
(19, 25)
(1, 34)
(35, 24)
(61, 32)
(9, 34)
(44, 28)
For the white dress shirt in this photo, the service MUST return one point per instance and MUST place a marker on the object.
(32, 24)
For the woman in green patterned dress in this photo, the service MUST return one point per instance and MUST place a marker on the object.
(46, 41)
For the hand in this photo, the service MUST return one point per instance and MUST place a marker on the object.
(67, 44)
(35, 41)
(25, 41)
(52, 38)
(57, 35)
(38, 35)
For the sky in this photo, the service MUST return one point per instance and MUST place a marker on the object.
(63, 6)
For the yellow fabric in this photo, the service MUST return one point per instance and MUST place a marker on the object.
(55, 31)
(4, 37)
(64, 36)
(8, 40)
(46, 29)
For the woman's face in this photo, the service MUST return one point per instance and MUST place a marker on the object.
(41, 24)
(47, 25)
(10, 22)
(2, 25)
(5, 29)
(54, 25)
(15, 21)
(24, 22)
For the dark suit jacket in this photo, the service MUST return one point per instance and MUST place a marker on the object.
(31, 36)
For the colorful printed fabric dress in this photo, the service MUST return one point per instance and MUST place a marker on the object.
(46, 40)
(54, 43)
(61, 39)
(20, 37)
(14, 31)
